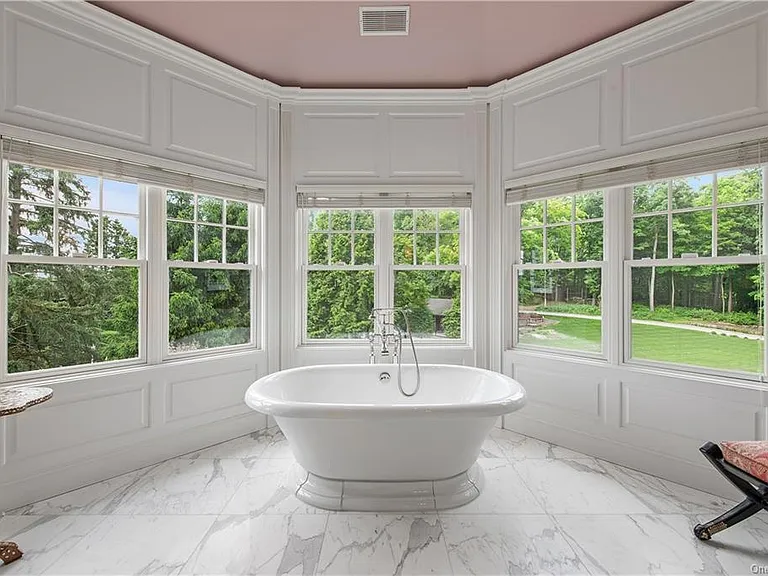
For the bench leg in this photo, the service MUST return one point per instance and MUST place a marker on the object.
(740, 512)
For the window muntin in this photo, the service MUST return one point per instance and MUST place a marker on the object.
(559, 281)
(210, 271)
(564, 229)
(73, 268)
(357, 259)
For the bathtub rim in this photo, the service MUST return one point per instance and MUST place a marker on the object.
(297, 409)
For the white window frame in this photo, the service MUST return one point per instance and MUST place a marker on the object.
(140, 263)
(253, 265)
(153, 267)
(384, 270)
(630, 263)
(518, 267)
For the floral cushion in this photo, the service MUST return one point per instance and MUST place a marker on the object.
(750, 456)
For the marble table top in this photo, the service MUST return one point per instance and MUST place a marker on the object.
(15, 400)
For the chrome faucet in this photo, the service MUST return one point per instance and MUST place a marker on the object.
(389, 334)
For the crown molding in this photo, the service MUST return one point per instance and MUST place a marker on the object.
(678, 19)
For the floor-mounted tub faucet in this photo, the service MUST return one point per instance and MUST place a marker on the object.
(384, 328)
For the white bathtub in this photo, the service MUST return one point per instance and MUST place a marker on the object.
(365, 446)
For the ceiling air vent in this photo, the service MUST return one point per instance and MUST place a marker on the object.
(384, 20)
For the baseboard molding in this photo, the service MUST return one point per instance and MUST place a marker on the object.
(702, 477)
(88, 471)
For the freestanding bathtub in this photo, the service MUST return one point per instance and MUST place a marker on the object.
(365, 446)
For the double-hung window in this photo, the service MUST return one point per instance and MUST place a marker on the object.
(73, 268)
(369, 249)
(696, 276)
(107, 262)
(559, 275)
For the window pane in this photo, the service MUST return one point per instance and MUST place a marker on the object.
(532, 214)
(363, 249)
(738, 230)
(121, 236)
(318, 248)
(692, 192)
(237, 213)
(341, 248)
(339, 303)
(341, 219)
(425, 248)
(78, 190)
(449, 248)
(180, 205)
(209, 244)
(433, 298)
(559, 243)
(78, 233)
(692, 233)
(403, 220)
(208, 309)
(121, 196)
(210, 209)
(30, 183)
(708, 316)
(589, 205)
(68, 315)
(651, 197)
(559, 209)
(30, 229)
(736, 186)
(181, 241)
(532, 245)
(364, 220)
(319, 220)
(589, 241)
(650, 237)
(403, 248)
(560, 309)
(448, 220)
(425, 219)
(237, 245)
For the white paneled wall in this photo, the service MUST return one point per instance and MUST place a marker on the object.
(76, 76)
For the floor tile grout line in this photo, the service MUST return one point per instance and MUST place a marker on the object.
(74, 545)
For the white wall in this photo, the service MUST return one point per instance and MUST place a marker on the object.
(691, 79)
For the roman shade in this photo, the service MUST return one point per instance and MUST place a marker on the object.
(387, 196)
(733, 156)
(25, 152)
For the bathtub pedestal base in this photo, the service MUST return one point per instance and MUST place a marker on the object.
(391, 496)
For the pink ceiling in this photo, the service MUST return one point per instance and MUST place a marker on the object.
(451, 45)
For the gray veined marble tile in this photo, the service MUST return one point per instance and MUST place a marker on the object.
(241, 544)
(43, 539)
(99, 498)
(518, 447)
(135, 545)
(490, 449)
(275, 444)
(508, 544)
(503, 492)
(182, 486)
(663, 496)
(578, 487)
(384, 544)
(270, 488)
(738, 548)
(248, 447)
(644, 544)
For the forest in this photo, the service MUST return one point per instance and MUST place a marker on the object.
(72, 314)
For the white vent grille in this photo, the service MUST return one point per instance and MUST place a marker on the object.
(384, 20)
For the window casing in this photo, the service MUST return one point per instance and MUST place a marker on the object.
(83, 259)
(414, 258)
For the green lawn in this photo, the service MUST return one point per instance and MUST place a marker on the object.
(656, 343)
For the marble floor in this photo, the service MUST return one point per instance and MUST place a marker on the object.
(230, 509)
